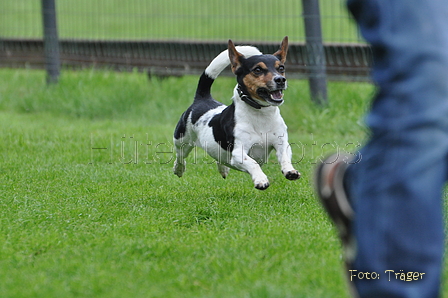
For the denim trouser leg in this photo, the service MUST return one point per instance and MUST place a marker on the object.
(397, 187)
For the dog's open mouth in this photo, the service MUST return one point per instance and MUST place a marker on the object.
(274, 97)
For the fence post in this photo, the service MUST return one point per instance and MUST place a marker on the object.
(315, 52)
(51, 41)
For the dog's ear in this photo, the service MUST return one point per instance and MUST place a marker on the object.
(281, 54)
(234, 56)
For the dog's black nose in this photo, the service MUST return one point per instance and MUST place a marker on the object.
(280, 81)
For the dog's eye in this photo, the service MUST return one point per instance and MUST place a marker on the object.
(281, 69)
(257, 70)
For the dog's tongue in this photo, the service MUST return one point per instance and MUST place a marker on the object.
(277, 94)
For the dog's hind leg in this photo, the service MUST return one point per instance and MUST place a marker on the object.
(182, 151)
(223, 170)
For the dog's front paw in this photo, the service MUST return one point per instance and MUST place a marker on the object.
(261, 184)
(292, 175)
(179, 168)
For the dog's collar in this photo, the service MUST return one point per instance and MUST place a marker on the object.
(249, 100)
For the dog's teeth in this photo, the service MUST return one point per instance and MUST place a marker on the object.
(277, 94)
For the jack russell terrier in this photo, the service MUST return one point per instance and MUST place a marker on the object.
(239, 136)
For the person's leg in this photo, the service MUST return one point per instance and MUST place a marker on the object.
(396, 189)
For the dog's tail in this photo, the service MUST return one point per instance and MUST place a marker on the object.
(217, 66)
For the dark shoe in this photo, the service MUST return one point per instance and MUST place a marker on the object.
(329, 184)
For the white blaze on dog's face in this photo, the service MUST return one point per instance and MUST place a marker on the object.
(262, 76)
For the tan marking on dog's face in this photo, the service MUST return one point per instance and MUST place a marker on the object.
(280, 68)
(261, 65)
(259, 77)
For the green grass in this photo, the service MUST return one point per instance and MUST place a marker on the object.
(247, 20)
(116, 222)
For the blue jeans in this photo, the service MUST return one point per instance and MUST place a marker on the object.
(397, 187)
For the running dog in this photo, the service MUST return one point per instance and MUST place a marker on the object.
(239, 136)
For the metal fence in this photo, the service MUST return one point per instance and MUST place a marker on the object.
(177, 37)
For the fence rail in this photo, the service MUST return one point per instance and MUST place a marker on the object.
(343, 61)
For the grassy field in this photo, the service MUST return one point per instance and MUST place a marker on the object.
(247, 20)
(76, 221)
